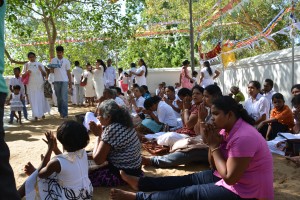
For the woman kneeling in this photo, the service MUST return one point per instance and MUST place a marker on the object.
(117, 143)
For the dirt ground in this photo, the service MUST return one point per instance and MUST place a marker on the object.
(26, 144)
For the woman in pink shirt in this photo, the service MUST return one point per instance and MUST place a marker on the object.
(242, 164)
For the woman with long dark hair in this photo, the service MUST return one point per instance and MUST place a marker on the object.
(98, 77)
(185, 80)
(141, 73)
(207, 75)
(242, 166)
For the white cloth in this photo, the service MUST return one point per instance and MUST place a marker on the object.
(207, 79)
(269, 97)
(77, 73)
(99, 81)
(120, 101)
(110, 76)
(60, 74)
(258, 107)
(35, 90)
(141, 80)
(139, 103)
(165, 114)
(170, 138)
(90, 116)
(89, 87)
(72, 180)
(17, 81)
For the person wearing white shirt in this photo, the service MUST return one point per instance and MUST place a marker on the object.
(141, 73)
(257, 105)
(110, 75)
(137, 101)
(268, 91)
(164, 112)
(171, 100)
(62, 79)
(130, 75)
(208, 75)
(77, 74)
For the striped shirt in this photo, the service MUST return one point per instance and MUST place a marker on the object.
(125, 152)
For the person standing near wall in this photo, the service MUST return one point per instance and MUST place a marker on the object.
(208, 75)
(7, 180)
(110, 75)
(62, 78)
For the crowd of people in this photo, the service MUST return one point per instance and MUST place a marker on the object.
(199, 124)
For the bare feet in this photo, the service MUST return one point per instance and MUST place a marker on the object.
(29, 169)
(116, 194)
(131, 180)
(146, 161)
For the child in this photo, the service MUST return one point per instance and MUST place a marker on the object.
(65, 176)
(158, 90)
(281, 118)
(16, 104)
(17, 81)
(238, 95)
(194, 77)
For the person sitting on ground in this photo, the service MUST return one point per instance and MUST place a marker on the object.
(160, 114)
(189, 113)
(171, 99)
(295, 90)
(296, 113)
(117, 143)
(158, 90)
(182, 93)
(241, 160)
(257, 105)
(281, 118)
(55, 177)
(237, 95)
(122, 96)
(268, 91)
(146, 93)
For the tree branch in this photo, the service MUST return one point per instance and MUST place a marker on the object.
(12, 60)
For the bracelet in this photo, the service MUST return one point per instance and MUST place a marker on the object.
(211, 151)
(186, 110)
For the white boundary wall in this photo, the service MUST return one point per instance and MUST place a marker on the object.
(276, 66)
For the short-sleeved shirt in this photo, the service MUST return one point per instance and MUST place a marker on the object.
(125, 152)
(245, 141)
(120, 101)
(139, 103)
(17, 81)
(110, 76)
(77, 73)
(269, 95)
(141, 80)
(258, 107)
(60, 74)
(284, 116)
(165, 114)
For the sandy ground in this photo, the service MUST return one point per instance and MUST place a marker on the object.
(25, 143)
